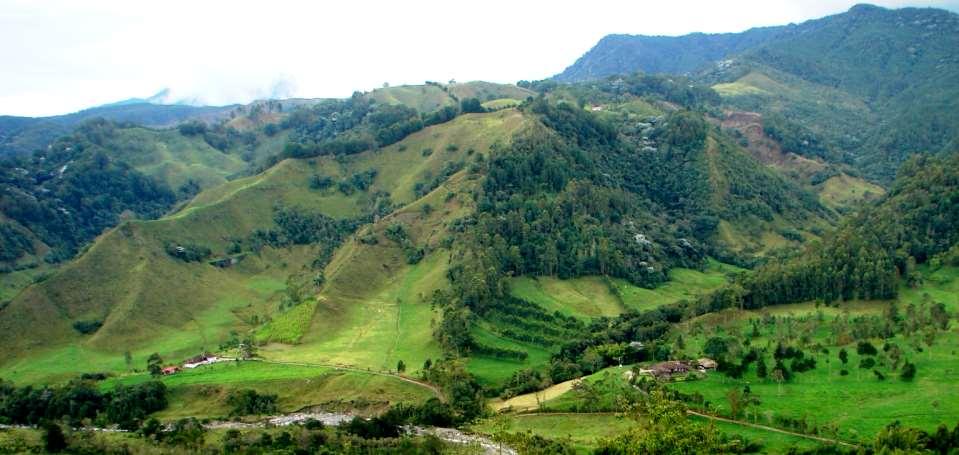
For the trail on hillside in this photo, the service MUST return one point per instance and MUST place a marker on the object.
(709, 417)
(768, 428)
(432, 388)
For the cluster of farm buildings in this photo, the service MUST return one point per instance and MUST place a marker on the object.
(670, 368)
(194, 362)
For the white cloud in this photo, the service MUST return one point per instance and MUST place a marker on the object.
(62, 55)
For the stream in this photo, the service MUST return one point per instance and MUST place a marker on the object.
(450, 435)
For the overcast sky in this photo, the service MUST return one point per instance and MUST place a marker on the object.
(62, 56)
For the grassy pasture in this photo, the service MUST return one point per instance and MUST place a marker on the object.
(845, 191)
(423, 98)
(857, 404)
(584, 297)
(202, 392)
(493, 371)
(583, 431)
(595, 296)
(501, 103)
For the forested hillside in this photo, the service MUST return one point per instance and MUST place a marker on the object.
(680, 55)
(890, 70)
(873, 252)
(58, 199)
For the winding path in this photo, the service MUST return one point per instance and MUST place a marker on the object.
(768, 428)
(708, 417)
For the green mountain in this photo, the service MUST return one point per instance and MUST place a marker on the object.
(686, 54)
(818, 83)
(58, 199)
(421, 252)
(359, 222)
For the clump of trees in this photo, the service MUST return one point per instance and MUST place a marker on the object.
(357, 124)
(250, 402)
(663, 427)
(397, 233)
(188, 252)
(79, 403)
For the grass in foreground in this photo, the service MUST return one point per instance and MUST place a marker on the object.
(856, 405)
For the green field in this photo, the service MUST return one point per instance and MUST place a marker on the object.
(564, 416)
(585, 298)
(583, 431)
(492, 371)
(845, 191)
(858, 405)
(771, 441)
(501, 103)
(202, 392)
(598, 296)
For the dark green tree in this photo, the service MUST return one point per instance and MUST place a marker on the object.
(155, 364)
(53, 439)
(761, 371)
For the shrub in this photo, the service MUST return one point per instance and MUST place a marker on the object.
(53, 439)
(908, 372)
(188, 252)
(248, 401)
(471, 105)
(87, 327)
(866, 348)
(320, 183)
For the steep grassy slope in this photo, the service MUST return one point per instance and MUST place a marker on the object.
(828, 114)
(174, 159)
(149, 301)
(592, 296)
(791, 214)
(432, 96)
(423, 98)
(488, 91)
(374, 309)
